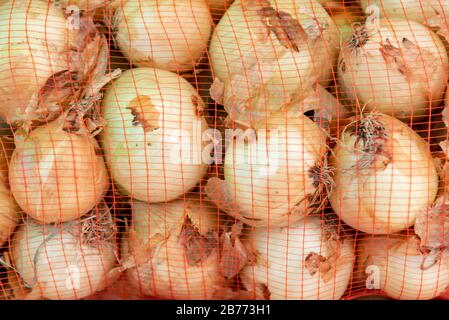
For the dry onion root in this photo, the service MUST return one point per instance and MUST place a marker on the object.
(395, 67)
(57, 172)
(267, 54)
(65, 261)
(46, 61)
(173, 250)
(307, 260)
(167, 34)
(385, 175)
(277, 175)
(152, 137)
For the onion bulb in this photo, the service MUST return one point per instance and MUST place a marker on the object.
(385, 175)
(395, 67)
(267, 54)
(413, 10)
(166, 34)
(276, 175)
(47, 59)
(152, 137)
(401, 268)
(9, 211)
(172, 250)
(306, 261)
(68, 261)
(57, 172)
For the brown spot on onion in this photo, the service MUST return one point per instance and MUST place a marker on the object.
(144, 112)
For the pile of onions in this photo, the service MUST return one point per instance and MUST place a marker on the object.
(57, 172)
(396, 67)
(68, 261)
(45, 61)
(9, 211)
(306, 261)
(385, 175)
(153, 134)
(267, 54)
(172, 250)
(166, 34)
(275, 176)
(402, 269)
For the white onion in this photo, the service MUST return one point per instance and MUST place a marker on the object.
(400, 269)
(397, 67)
(167, 34)
(172, 250)
(276, 177)
(414, 10)
(68, 261)
(385, 175)
(260, 64)
(9, 211)
(305, 261)
(45, 60)
(153, 120)
(57, 172)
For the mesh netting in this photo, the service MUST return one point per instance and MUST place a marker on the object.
(193, 149)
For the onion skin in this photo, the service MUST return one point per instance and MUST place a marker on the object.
(281, 271)
(266, 197)
(166, 34)
(140, 157)
(399, 69)
(44, 254)
(252, 64)
(398, 260)
(384, 196)
(155, 247)
(57, 176)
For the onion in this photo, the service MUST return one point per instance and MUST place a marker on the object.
(402, 269)
(306, 261)
(398, 67)
(414, 10)
(345, 21)
(385, 175)
(277, 175)
(85, 5)
(152, 138)
(172, 250)
(46, 61)
(9, 211)
(166, 34)
(68, 261)
(267, 54)
(57, 172)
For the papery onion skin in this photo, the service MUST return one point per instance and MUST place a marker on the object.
(53, 258)
(163, 268)
(57, 176)
(400, 69)
(280, 270)
(382, 193)
(167, 34)
(257, 69)
(140, 157)
(277, 192)
(395, 264)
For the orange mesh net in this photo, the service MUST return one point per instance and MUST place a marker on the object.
(219, 149)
